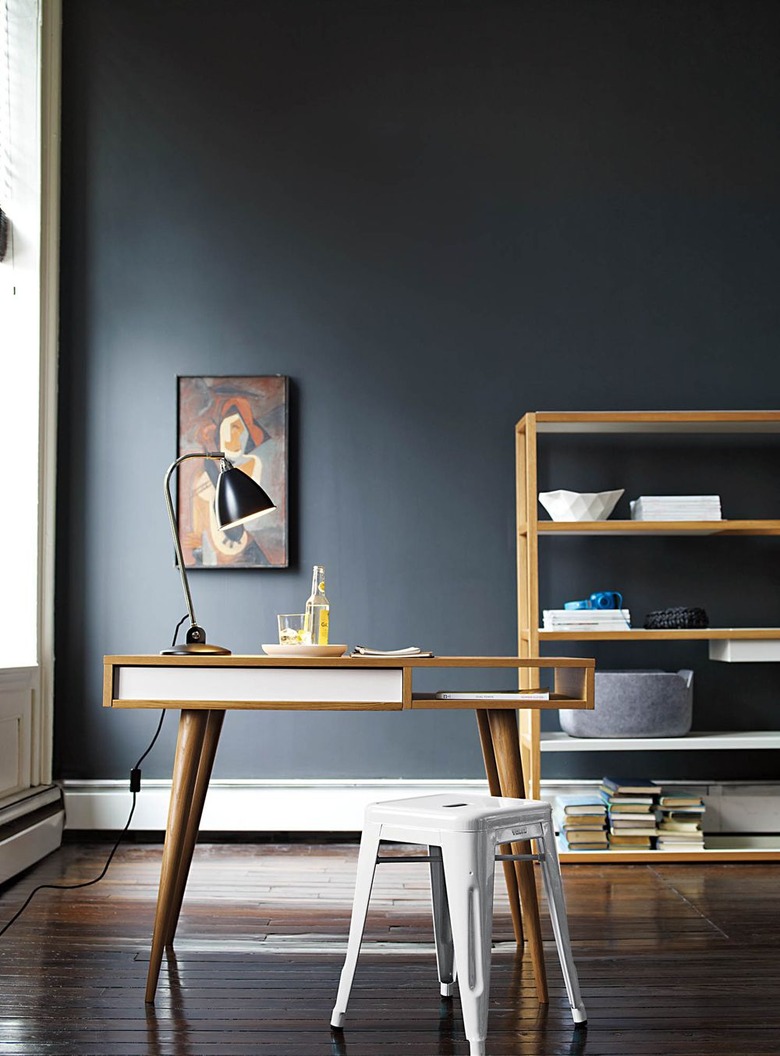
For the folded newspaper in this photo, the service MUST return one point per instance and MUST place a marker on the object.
(411, 650)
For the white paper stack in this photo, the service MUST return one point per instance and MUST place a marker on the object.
(676, 508)
(586, 619)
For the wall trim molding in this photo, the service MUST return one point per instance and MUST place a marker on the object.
(247, 805)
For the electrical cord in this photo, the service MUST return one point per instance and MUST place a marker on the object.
(135, 788)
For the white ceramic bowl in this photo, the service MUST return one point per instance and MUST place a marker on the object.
(579, 505)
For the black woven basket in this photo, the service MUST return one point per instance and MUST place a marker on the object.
(675, 619)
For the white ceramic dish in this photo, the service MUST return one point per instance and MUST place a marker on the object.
(579, 505)
(304, 650)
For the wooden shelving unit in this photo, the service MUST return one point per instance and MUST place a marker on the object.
(534, 745)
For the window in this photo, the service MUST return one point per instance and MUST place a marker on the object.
(20, 344)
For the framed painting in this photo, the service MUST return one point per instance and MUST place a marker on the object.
(246, 417)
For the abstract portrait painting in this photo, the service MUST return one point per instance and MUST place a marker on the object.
(246, 418)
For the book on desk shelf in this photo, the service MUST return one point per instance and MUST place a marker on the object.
(621, 786)
(586, 803)
(628, 842)
(622, 821)
(585, 835)
(629, 804)
(572, 828)
(678, 799)
(594, 841)
(586, 619)
(682, 819)
(676, 842)
(675, 508)
(632, 821)
(498, 694)
(673, 825)
(650, 831)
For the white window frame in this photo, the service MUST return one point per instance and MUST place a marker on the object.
(44, 75)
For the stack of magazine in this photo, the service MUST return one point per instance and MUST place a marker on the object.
(631, 812)
(681, 815)
(643, 815)
(581, 822)
(586, 619)
(676, 508)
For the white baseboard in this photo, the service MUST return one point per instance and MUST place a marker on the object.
(247, 806)
(28, 846)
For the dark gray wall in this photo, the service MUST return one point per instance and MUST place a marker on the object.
(432, 216)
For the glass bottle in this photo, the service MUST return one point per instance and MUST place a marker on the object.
(317, 609)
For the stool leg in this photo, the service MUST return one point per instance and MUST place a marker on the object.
(469, 868)
(369, 846)
(442, 928)
(553, 884)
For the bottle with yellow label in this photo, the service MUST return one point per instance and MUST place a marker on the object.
(318, 609)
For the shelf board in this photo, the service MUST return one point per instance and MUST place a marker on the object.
(739, 852)
(557, 741)
(761, 634)
(654, 421)
(616, 527)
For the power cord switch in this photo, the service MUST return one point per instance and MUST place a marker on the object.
(135, 780)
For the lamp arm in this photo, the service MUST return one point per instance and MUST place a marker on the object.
(216, 455)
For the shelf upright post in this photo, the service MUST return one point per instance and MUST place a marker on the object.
(528, 591)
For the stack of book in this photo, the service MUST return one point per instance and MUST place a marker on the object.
(681, 816)
(581, 822)
(631, 812)
(676, 508)
(586, 619)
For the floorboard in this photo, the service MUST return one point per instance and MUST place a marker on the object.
(673, 959)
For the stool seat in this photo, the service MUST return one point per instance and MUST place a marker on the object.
(470, 813)
(462, 833)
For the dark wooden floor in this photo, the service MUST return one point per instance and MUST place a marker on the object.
(672, 959)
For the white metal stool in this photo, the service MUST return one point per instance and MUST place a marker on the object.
(462, 833)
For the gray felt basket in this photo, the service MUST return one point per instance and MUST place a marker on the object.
(635, 704)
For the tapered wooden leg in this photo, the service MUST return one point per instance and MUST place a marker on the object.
(506, 747)
(205, 766)
(494, 785)
(189, 745)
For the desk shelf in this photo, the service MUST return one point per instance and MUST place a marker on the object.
(555, 701)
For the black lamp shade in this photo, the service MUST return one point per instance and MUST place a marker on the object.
(239, 498)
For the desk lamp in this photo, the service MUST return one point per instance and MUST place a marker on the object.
(238, 499)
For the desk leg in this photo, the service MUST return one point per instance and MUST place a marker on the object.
(189, 746)
(494, 785)
(506, 746)
(205, 766)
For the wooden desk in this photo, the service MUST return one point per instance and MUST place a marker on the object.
(204, 688)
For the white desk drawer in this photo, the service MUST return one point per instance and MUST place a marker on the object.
(246, 684)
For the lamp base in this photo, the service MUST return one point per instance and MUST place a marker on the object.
(196, 649)
(195, 644)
